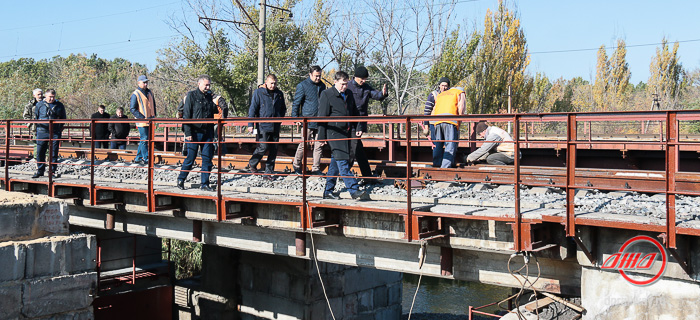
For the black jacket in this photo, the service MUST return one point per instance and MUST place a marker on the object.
(198, 105)
(46, 111)
(100, 132)
(331, 104)
(362, 95)
(306, 99)
(119, 130)
(267, 104)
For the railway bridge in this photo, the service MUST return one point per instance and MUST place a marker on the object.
(552, 223)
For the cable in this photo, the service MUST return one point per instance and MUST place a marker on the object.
(88, 18)
(612, 48)
(318, 271)
(92, 46)
(526, 284)
(421, 259)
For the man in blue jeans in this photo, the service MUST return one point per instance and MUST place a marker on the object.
(142, 106)
(429, 128)
(451, 102)
(198, 104)
(337, 101)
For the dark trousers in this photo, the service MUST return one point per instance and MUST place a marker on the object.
(42, 146)
(499, 158)
(357, 153)
(118, 145)
(340, 168)
(264, 147)
(207, 153)
(101, 144)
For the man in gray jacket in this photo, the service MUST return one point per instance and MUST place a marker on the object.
(498, 149)
(306, 105)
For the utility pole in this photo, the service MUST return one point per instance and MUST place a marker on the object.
(261, 43)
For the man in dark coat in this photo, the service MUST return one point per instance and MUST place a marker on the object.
(48, 109)
(306, 99)
(198, 104)
(100, 132)
(267, 102)
(337, 101)
(119, 130)
(362, 92)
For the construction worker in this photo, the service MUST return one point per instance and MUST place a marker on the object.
(142, 106)
(451, 102)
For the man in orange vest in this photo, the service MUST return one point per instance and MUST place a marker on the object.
(142, 106)
(451, 102)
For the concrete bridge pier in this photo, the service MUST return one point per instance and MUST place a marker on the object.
(247, 285)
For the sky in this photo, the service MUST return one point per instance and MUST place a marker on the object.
(562, 36)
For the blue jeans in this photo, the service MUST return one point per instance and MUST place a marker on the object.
(437, 155)
(42, 146)
(207, 153)
(445, 156)
(342, 167)
(142, 151)
(117, 145)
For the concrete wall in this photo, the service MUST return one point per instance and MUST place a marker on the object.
(52, 276)
(44, 273)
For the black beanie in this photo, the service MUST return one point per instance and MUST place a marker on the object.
(361, 72)
(444, 79)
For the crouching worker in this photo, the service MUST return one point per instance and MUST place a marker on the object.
(498, 149)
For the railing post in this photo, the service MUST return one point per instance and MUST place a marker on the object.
(220, 204)
(571, 138)
(671, 169)
(518, 231)
(151, 197)
(306, 221)
(92, 192)
(50, 162)
(7, 155)
(411, 228)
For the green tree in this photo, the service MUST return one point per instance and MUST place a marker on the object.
(456, 58)
(666, 77)
(500, 61)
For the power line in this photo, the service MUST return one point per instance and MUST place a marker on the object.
(612, 48)
(88, 18)
(92, 46)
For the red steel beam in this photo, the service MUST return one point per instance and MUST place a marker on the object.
(571, 126)
(671, 169)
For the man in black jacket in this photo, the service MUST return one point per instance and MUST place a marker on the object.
(198, 104)
(100, 132)
(48, 109)
(119, 130)
(267, 102)
(337, 101)
(306, 99)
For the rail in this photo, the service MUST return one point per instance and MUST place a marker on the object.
(577, 132)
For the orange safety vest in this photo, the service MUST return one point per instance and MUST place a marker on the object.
(146, 106)
(446, 104)
(220, 113)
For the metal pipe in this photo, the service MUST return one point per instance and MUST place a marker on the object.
(220, 203)
(92, 192)
(300, 243)
(109, 221)
(409, 172)
(306, 221)
(197, 230)
(446, 260)
(518, 230)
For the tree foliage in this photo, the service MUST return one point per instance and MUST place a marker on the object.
(666, 75)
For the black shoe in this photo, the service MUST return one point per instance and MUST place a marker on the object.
(37, 174)
(360, 195)
(332, 196)
(181, 184)
(139, 162)
(297, 170)
(205, 187)
(316, 173)
(269, 177)
(56, 175)
(248, 169)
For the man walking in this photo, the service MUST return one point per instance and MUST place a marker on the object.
(48, 109)
(267, 102)
(100, 132)
(449, 102)
(142, 106)
(429, 128)
(362, 92)
(119, 130)
(306, 105)
(337, 101)
(198, 104)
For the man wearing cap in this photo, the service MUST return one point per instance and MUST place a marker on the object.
(142, 106)
(429, 128)
(362, 92)
(498, 148)
(450, 102)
